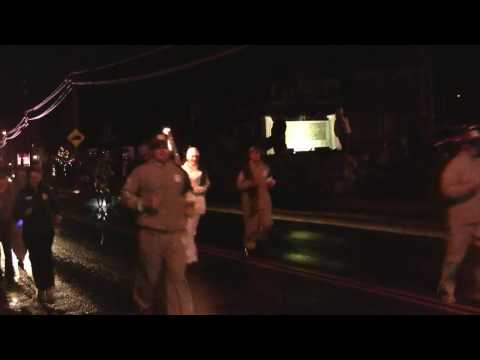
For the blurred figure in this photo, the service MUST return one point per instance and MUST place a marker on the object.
(103, 170)
(103, 174)
(18, 245)
(143, 154)
(278, 135)
(6, 223)
(200, 183)
(460, 185)
(161, 193)
(255, 182)
(37, 206)
(127, 163)
(343, 130)
(21, 179)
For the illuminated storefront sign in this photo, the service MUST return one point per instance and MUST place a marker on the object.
(301, 136)
(23, 159)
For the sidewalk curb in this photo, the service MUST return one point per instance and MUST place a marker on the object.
(423, 230)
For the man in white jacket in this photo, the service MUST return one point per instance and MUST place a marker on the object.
(460, 184)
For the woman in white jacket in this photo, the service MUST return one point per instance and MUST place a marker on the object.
(200, 184)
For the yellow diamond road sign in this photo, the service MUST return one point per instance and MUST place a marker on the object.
(76, 137)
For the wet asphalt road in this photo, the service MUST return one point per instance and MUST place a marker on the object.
(87, 281)
(95, 277)
(392, 260)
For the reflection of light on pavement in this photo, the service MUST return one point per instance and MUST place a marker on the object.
(102, 205)
(27, 265)
(297, 236)
(304, 235)
(93, 203)
(96, 205)
(102, 210)
(300, 258)
(305, 259)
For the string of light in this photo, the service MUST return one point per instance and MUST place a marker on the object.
(122, 62)
(48, 98)
(163, 72)
(59, 89)
(65, 88)
(16, 131)
(24, 122)
(53, 106)
(20, 125)
(13, 133)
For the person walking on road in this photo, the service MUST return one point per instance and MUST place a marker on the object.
(160, 192)
(200, 183)
(6, 223)
(460, 185)
(254, 182)
(36, 205)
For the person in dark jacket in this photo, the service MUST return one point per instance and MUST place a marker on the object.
(37, 207)
(17, 243)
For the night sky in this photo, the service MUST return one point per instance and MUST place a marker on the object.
(30, 72)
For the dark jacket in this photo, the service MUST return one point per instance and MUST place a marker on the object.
(36, 208)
